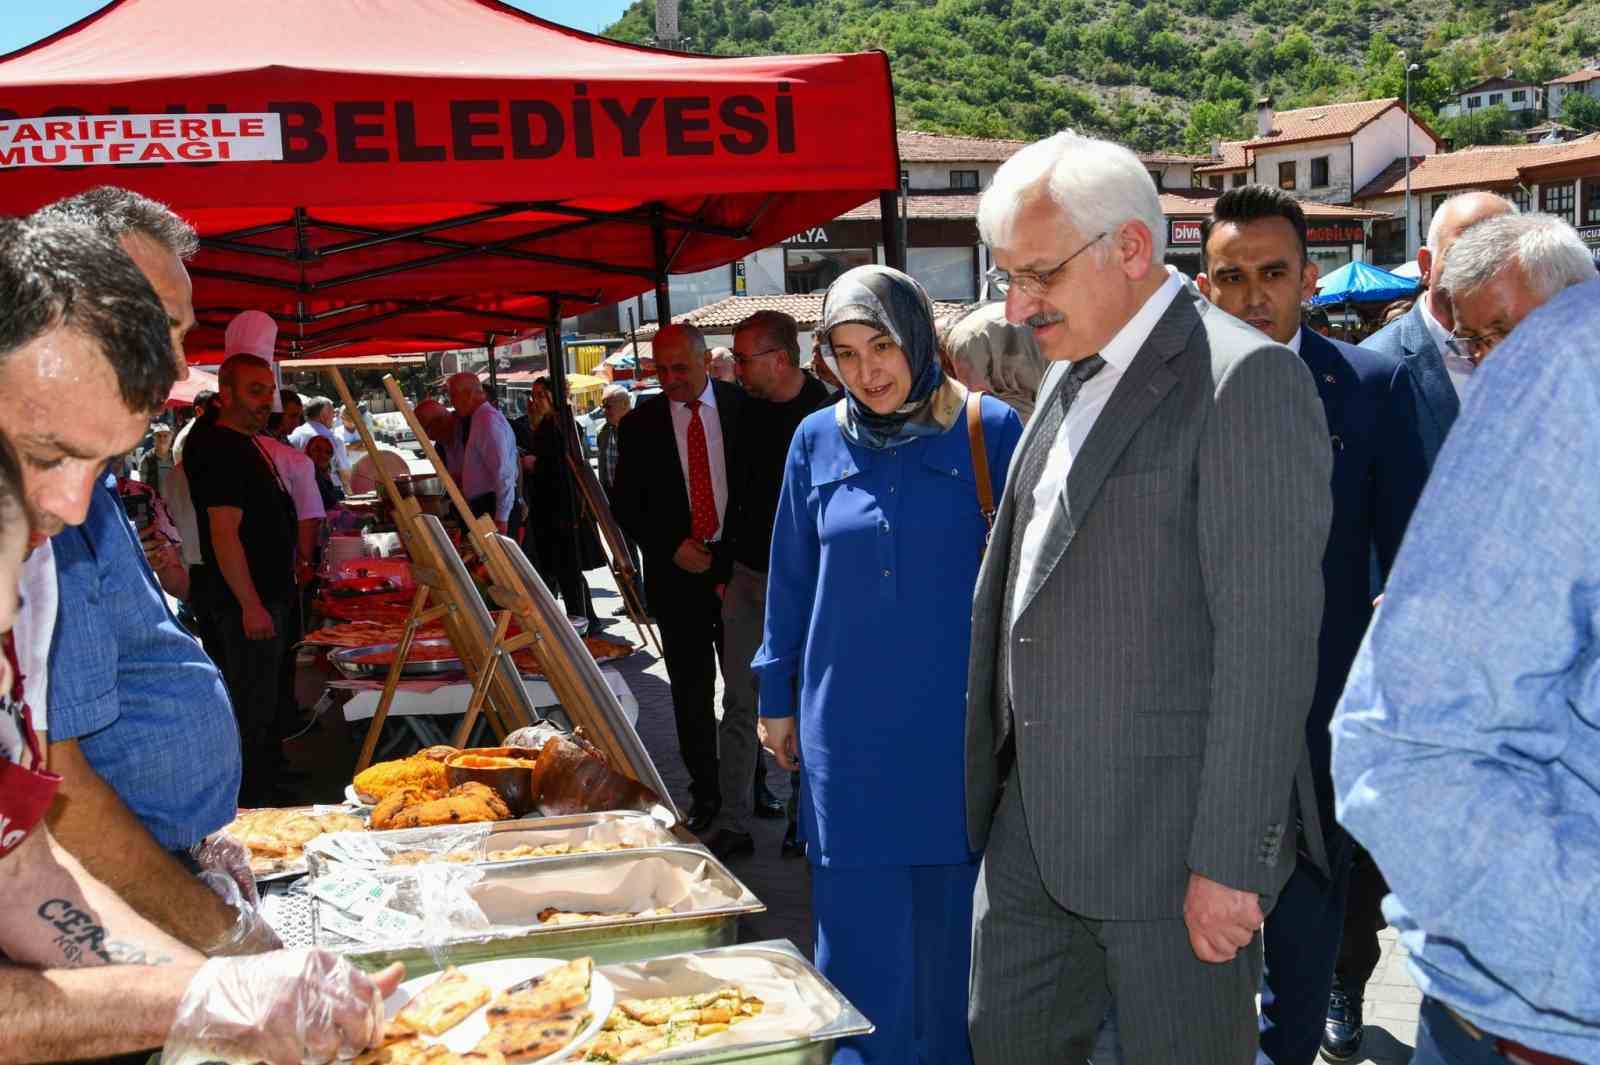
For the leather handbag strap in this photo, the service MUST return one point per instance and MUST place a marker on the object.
(980, 458)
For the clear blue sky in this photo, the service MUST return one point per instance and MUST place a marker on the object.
(25, 21)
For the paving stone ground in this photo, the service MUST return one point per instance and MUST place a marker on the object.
(1392, 999)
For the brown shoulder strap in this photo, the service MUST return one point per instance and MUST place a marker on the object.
(980, 457)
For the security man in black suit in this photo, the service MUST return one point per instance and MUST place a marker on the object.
(671, 495)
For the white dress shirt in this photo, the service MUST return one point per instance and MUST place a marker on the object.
(1459, 369)
(713, 427)
(489, 461)
(1092, 399)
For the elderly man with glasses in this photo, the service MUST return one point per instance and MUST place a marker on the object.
(1502, 270)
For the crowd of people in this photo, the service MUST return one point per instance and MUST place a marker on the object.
(1129, 641)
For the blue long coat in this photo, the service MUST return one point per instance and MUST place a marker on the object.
(869, 620)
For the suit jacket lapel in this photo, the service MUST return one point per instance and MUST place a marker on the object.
(1141, 389)
(1426, 363)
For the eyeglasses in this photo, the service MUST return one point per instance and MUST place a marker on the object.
(746, 360)
(1472, 348)
(1030, 282)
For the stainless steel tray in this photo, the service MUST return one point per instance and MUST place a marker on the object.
(615, 940)
(535, 832)
(345, 661)
(815, 1048)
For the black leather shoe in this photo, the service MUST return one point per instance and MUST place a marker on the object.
(1341, 1036)
(793, 845)
(726, 843)
(767, 805)
(701, 813)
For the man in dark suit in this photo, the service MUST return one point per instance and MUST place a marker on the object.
(1417, 337)
(671, 495)
(1144, 637)
(1256, 268)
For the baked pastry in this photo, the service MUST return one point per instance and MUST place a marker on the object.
(377, 782)
(423, 808)
(444, 1003)
(572, 776)
(276, 838)
(521, 1040)
(640, 1028)
(557, 991)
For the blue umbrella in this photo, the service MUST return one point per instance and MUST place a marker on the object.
(1357, 282)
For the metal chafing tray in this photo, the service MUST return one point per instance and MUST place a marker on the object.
(345, 660)
(573, 829)
(813, 1048)
(606, 940)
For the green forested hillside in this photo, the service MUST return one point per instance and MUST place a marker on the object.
(1158, 74)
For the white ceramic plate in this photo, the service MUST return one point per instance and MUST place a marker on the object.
(500, 975)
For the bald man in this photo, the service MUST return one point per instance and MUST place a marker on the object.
(671, 495)
(1419, 337)
(488, 463)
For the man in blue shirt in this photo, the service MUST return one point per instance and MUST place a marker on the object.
(140, 726)
(1465, 754)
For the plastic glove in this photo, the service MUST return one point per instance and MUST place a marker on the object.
(250, 934)
(224, 854)
(291, 1007)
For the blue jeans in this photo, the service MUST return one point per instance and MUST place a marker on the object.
(1442, 1041)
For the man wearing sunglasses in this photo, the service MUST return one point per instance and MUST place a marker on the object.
(1501, 271)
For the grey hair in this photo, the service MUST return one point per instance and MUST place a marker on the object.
(116, 211)
(1547, 249)
(613, 392)
(1099, 186)
(315, 406)
(1437, 222)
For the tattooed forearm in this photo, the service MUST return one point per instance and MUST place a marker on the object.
(79, 935)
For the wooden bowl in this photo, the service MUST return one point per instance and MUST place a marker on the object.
(506, 770)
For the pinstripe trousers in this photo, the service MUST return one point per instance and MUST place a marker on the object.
(1043, 976)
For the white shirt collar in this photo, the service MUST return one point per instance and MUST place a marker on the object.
(1436, 328)
(708, 398)
(1294, 341)
(1122, 348)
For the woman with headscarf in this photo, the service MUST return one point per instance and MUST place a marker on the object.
(875, 553)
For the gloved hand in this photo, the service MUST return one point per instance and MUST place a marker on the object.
(224, 854)
(250, 934)
(291, 1007)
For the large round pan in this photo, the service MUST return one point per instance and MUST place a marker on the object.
(347, 661)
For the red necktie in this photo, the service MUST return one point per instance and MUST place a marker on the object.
(702, 501)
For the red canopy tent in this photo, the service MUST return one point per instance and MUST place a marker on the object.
(392, 175)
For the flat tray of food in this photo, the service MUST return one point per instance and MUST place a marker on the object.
(426, 658)
(618, 906)
(277, 838)
(525, 1010)
(526, 839)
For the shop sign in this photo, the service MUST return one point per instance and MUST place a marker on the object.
(814, 235)
(121, 140)
(1184, 231)
(1590, 234)
(1336, 233)
(739, 285)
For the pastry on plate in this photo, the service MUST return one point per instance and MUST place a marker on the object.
(444, 1003)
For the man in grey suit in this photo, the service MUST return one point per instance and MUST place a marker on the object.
(1144, 643)
(1419, 335)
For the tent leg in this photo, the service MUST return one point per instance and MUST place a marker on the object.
(894, 250)
(494, 380)
(658, 234)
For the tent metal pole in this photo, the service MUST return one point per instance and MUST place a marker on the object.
(889, 222)
(658, 234)
(494, 380)
(556, 357)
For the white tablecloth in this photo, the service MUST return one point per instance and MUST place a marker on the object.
(453, 699)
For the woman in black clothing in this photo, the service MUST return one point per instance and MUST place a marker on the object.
(552, 533)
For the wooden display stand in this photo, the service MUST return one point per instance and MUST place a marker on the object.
(594, 499)
(516, 589)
